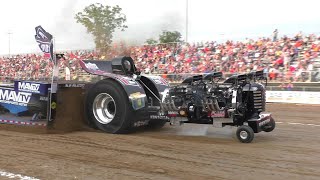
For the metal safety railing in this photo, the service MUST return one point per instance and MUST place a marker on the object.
(303, 77)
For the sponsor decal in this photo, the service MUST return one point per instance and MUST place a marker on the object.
(141, 123)
(137, 100)
(303, 97)
(173, 112)
(53, 105)
(158, 117)
(264, 122)
(137, 95)
(29, 87)
(43, 98)
(159, 80)
(127, 81)
(234, 97)
(218, 114)
(33, 87)
(74, 85)
(16, 98)
(91, 66)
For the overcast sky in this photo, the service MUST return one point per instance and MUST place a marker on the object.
(208, 20)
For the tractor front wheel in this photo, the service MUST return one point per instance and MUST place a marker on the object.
(270, 126)
(245, 134)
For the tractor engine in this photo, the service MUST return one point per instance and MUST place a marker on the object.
(202, 98)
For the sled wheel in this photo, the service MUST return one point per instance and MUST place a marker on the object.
(270, 126)
(108, 107)
(245, 134)
(156, 124)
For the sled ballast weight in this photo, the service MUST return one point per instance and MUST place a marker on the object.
(122, 100)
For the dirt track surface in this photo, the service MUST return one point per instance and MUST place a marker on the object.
(291, 151)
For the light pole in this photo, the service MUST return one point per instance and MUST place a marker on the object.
(187, 4)
(9, 34)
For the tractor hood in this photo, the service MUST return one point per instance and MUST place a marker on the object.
(120, 65)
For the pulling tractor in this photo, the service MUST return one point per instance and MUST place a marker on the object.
(123, 99)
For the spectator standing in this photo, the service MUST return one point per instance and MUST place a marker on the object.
(275, 35)
(289, 86)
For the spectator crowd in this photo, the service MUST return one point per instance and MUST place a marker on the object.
(283, 59)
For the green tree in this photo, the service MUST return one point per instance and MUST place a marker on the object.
(151, 41)
(101, 21)
(170, 36)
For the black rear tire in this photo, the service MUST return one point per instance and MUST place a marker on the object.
(270, 126)
(245, 134)
(119, 121)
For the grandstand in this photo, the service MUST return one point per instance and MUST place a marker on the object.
(286, 59)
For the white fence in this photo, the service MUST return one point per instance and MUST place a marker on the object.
(303, 97)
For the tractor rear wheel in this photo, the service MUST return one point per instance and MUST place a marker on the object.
(108, 107)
